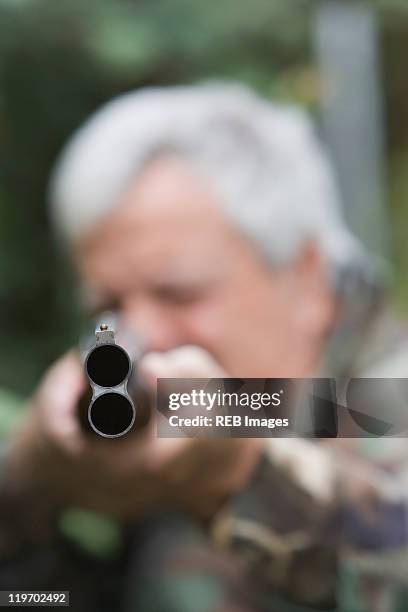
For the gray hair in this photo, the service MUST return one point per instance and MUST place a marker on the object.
(269, 169)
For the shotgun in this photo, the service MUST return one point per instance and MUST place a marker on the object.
(107, 408)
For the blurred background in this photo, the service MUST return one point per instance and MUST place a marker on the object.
(343, 60)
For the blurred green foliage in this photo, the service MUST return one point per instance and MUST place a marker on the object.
(59, 60)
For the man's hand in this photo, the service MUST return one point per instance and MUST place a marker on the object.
(202, 472)
(126, 477)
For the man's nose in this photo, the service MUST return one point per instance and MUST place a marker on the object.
(150, 321)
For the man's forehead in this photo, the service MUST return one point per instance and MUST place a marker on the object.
(170, 185)
(168, 195)
(168, 227)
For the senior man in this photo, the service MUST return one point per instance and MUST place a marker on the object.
(208, 220)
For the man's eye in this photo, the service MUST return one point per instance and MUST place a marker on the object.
(178, 295)
(103, 307)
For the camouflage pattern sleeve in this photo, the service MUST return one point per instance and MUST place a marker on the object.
(279, 527)
(310, 509)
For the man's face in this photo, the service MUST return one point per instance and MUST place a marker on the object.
(178, 274)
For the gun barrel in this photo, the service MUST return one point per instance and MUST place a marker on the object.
(110, 409)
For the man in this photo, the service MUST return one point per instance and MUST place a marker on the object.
(208, 220)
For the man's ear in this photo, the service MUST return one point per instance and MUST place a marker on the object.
(316, 307)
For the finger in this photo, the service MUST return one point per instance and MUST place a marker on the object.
(58, 398)
(182, 362)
